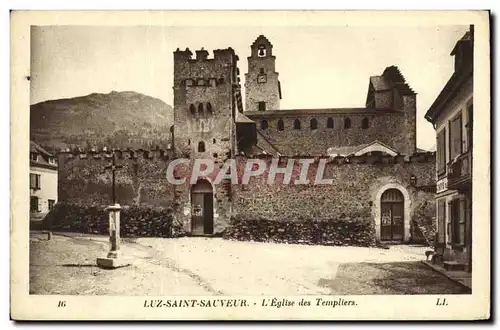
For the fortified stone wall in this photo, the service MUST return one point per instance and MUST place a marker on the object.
(83, 178)
(353, 193)
(142, 183)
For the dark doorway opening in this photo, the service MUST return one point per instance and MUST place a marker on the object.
(202, 208)
(392, 216)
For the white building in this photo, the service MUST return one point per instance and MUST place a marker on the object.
(43, 181)
(452, 115)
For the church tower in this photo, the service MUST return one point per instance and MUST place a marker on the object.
(262, 87)
(204, 103)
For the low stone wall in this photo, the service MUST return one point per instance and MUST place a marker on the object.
(135, 221)
(348, 231)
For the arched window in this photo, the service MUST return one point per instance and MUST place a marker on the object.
(209, 109)
(200, 109)
(201, 146)
(264, 124)
(347, 123)
(192, 109)
(296, 124)
(313, 123)
(281, 125)
(364, 123)
(329, 123)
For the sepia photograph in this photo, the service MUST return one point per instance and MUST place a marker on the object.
(222, 166)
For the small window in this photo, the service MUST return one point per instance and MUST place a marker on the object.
(52, 160)
(201, 82)
(215, 155)
(200, 109)
(261, 71)
(281, 125)
(189, 142)
(34, 157)
(296, 124)
(192, 109)
(364, 123)
(189, 82)
(329, 123)
(264, 124)
(51, 204)
(213, 141)
(262, 106)
(34, 204)
(347, 123)
(201, 146)
(209, 109)
(314, 123)
(34, 181)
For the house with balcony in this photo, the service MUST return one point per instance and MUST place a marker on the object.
(43, 182)
(452, 116)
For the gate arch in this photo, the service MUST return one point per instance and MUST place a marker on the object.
(202, 208)
(392, 196)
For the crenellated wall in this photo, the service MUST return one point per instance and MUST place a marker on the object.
(142, 182)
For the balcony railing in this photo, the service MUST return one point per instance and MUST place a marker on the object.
(460, 172)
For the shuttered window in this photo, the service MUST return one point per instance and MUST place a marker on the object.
(456, 136)
(34, 181)
(457, 221)
(441, 215)
(441, 151)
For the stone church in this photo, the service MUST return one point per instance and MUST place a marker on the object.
(382, 188)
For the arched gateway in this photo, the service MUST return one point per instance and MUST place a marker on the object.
(392, 216)
(202, 208)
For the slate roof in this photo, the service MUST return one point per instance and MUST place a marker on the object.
(295, 112)
(397, 79)
(35, 148)
(380, 83)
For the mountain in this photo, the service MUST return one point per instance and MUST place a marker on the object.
(117, 119)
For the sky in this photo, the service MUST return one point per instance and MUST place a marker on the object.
(319, 67)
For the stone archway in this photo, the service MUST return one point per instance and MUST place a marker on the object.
(202, 208)
(406, 205)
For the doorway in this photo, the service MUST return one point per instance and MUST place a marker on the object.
(392, 216)
(202, 208)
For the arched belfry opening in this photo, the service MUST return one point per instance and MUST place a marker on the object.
(392, 215)
(202, 208)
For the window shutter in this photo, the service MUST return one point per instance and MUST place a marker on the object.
(441, 151)
(456, 136)
(441, 220)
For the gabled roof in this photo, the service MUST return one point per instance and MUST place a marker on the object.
(457, 79)
(375, 146)
(466, 37)
(261, 40)
(397, 80)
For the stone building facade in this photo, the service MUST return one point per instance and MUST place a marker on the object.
(378, 176)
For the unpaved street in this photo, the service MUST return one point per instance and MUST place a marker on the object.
(214, 266)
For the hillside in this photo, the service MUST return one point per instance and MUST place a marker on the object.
(117, 119)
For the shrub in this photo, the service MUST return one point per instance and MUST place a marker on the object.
(135, 221)
(345, 230)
